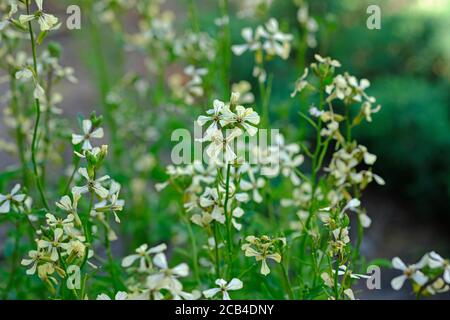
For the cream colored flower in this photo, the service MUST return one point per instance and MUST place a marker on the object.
(14, 197)
(46, 21)
(224, 287)
(93, 185)
(88, 133)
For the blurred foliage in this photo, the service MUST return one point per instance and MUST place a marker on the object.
(408, 62)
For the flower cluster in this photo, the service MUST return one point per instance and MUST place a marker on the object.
(152, 278)
(344, 167)
(268, 39)
(429, 276)
(190, 88)
(308, 23)
(227, 121)
(264, 248)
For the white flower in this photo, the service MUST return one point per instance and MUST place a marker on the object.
(223, 145)
(210, 200)
(46, 21)
(11, 198)
(237, 213)
(244, 117)
(277, 42)
(438, 286)
(222, 21)
(52, 245)
(341, 235)
(70, 206)
(259, 73)
(224, 287)
(251, 39)
(35, 256)
(204, 219)
(214, 115)
(301, 83)
(367, 111)
(67, 204)
(261, 251)
(254, 185)
(66, 224)
(143, 255)
(92, 185)
(24, 73)
(111, 202)
(409, 272)
(436, 261)
(167, 277)
(88, 133)
(75, 248)
(327, 61)
(349, 293)
(352, 205)
(194, 86)
(121, 295)
(344, 271)
(315, 112)
(289, 164)
(245, 94)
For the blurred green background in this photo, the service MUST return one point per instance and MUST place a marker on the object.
(408, 64)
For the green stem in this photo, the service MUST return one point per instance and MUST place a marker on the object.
(15, 258)
(336, 281)
(47, 136)
(87, 229)
(287, 282)
(112, 267)
(317, 158)
(38, 116)
(76, 161)
(216, 250)
(265, 92)
(348, 123)
(228, 216)
(194, 251)
(226, 50)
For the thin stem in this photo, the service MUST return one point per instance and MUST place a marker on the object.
(38, 116)
(15, 258)
(47, 136)
(226, 49)
(87, 229)
(287, 282)
(265, 92)
(75, 168)
(216, 250)
(194, 251)
(112, 268)
(317, 158)
(228, 215)
(348, 123)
